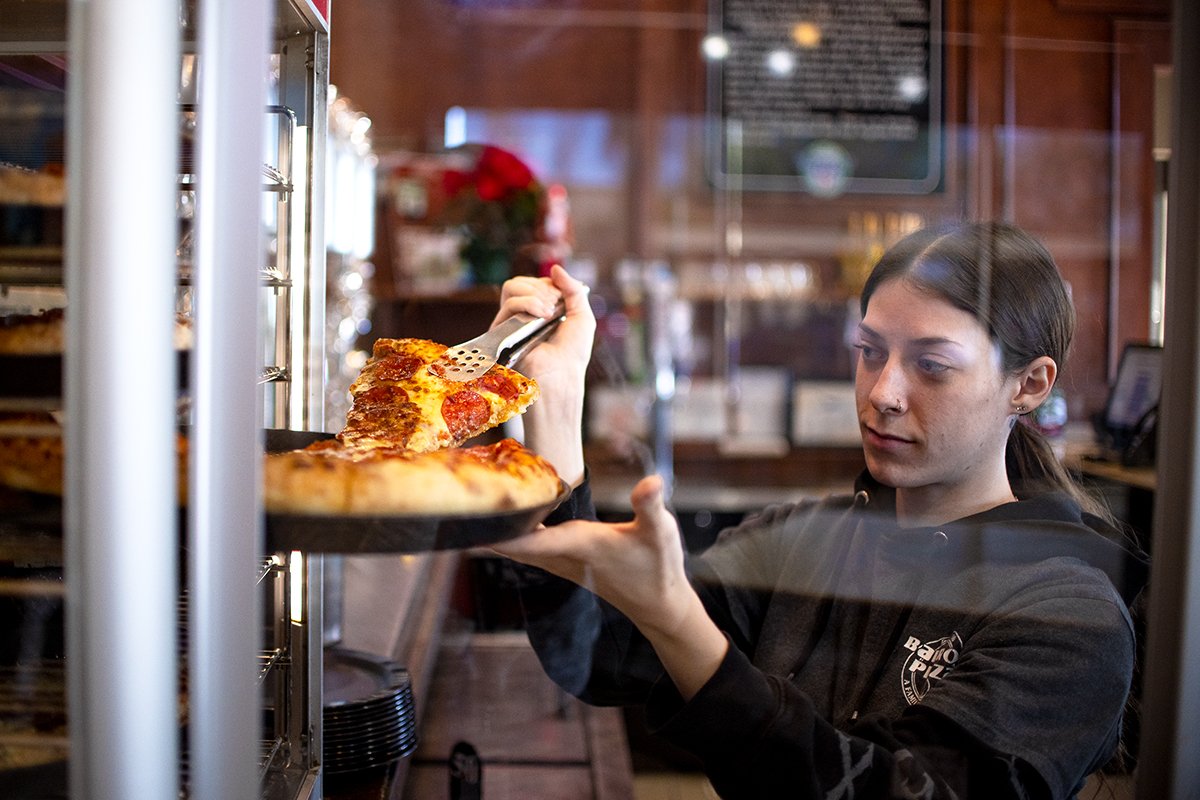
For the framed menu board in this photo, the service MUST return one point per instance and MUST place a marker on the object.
(828, 98)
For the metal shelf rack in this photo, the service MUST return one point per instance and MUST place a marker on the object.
(276, 658)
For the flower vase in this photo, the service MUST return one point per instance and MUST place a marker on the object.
(490, 268)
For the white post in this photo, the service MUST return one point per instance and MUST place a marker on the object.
(224, 527)
(121, 534)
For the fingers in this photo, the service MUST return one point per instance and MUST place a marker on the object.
(527, 289)
(560, 550)
(539, 296)
(543, 543)
(526, 295)
(647, 494)
(574, 294)
(649, 502)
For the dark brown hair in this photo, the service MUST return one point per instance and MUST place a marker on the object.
(1009, 282)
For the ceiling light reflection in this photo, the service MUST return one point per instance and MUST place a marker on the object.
(715, 47)
(912, 87)
(806, 34)
(781, 62)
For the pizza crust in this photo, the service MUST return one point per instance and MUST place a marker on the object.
(330, 478)
(32, 334)
(20, 186)
(32, 463)
(36, 461)
(44, 333)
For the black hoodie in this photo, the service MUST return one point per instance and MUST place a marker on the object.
(989, 657)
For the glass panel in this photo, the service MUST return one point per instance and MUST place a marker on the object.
(33, 663)
(726, 166)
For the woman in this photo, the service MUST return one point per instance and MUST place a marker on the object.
(958, 627)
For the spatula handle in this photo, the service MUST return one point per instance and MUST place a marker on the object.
(528, 335)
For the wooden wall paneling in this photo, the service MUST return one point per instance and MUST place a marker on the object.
(1029, 97)
(1117, 6)
(561, 60)
(659, 57)
(1058, 167)
(1141, 46)
(985, 92)
(406, 63)
(958, 149)
(1039, 152)
(396, 61)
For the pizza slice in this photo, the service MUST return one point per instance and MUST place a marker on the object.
(328, 477)
(402, 399)
(44, 333)
(32, 454)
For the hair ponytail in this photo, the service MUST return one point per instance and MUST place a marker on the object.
(1033, 468)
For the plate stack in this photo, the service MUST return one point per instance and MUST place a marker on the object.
(369, 715)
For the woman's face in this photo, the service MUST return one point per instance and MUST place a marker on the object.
(934, 406)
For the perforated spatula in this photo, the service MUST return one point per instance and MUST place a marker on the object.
(504, 344)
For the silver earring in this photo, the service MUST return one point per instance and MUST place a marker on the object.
(1020, 409)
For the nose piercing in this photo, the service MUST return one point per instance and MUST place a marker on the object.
(898, 405)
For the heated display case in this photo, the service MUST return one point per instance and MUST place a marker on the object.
(96, 632)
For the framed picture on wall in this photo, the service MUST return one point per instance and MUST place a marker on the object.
(826, 98)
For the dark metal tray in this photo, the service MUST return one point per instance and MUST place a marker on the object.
(41, 376)
(391, 534)
(31, 376)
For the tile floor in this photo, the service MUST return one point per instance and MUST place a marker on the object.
(671, 786)
(689, 786)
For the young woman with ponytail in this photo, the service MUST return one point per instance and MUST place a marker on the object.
(958, 627)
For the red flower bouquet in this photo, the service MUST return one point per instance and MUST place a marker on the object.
(498, 206)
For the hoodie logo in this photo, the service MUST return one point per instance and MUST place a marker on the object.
(927, 663)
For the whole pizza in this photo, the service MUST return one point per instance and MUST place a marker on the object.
(331, 478)
(401, 451)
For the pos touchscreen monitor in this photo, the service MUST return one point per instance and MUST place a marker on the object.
(1134, 394)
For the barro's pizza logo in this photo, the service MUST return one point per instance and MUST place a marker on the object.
(927, 663)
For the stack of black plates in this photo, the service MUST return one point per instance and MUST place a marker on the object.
(369, 716)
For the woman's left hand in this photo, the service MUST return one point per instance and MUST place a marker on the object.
(637, 567)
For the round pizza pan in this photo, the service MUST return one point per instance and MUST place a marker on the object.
(353, 678)
(397, 708)
(323, 533)
(40, 377)
(277, 440)
(368, 710)
(31, 376)
(401, 534)
(41, 782)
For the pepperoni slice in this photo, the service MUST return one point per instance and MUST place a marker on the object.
(498, 384)
(381, 395)
(465, 412)
(397, 368)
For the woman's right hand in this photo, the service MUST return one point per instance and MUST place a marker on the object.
(554, 423)
(565, 355)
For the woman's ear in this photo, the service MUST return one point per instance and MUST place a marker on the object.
(1034, 383)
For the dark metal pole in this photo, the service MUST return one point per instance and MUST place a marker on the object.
(1169, 766)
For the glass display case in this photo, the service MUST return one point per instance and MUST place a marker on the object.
(100, 625)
